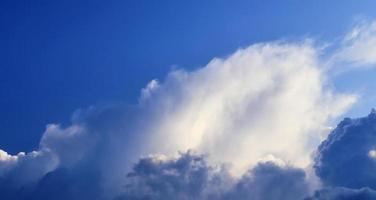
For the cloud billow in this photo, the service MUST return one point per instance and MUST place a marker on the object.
(190, 177)
(268, 181)
(257, 115)
(187, 177)
(345, 158)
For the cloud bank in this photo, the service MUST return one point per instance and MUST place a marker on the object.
(254, 118)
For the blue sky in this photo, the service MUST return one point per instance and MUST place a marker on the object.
(93, 90)
(57, 56)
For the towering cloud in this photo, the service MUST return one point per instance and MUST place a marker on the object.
(257, 114)
(238, 109)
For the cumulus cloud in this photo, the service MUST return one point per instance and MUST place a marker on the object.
(269, 181)
(346, 157)
(23, 169)
(258, 114)
(190, 177)
(238, 109)
(58, 148)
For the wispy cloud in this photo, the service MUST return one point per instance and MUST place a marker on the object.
(358, 47)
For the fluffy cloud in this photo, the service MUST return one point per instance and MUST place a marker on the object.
(58, 148)
(23, 169)
(260, 112)
(190, 177)
(346, 158)
(238, 109)
(269, 181)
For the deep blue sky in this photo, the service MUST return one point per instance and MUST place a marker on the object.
(57, 56)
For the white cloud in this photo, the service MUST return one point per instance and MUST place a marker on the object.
(5, 157)
(69, 144)
(267, 99)
(372, 154)
(58, 148)
(359, 46)
(22, 169)
(149, 89)
(7, 161)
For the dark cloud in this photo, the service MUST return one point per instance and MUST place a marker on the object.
(268, 181)
(347, 158)
(340, 193)
(186, 177)
(66, 184)
(190, 177)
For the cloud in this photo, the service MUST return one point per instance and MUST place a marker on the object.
(346, 157)
(340, 193)
(358, 47)
(189, 176)
(146, 92)
(260, 112)
(238, 109)
(58, 148)
(23, 169)
(269, 181)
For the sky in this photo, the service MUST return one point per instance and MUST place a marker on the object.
(63, 55)
(98, 89)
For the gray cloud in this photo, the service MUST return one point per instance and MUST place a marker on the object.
(190, 177)
(187, 177)
(346, 158)
(268, 181)
(340, 193)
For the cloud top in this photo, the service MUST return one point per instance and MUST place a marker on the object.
(238, 109)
